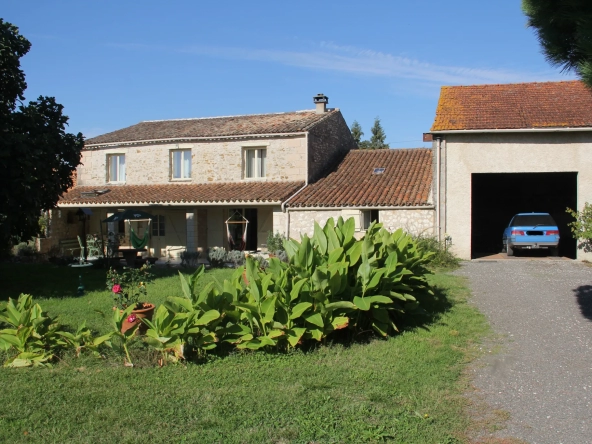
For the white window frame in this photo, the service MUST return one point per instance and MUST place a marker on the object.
(118, 178)
(367, 218)
(184, 175)
(260, 153)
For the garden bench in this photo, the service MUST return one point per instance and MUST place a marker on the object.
(69, 245)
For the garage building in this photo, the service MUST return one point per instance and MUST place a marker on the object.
(504, 149)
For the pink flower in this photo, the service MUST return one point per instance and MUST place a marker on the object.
(131, 318)
(116, 288)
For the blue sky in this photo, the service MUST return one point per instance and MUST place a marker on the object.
(113, 64)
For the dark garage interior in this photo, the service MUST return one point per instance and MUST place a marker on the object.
(496, 197)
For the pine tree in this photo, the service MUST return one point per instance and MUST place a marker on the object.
(564, 29)
(357, 133)
(378, 135)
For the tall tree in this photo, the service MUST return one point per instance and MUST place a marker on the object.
(37, 156)
(564, 29)
(357, 133)
(378, 136)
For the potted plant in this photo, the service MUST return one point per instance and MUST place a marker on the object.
(127, 288)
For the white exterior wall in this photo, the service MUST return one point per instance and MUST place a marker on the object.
(508, 153)
(216, 161)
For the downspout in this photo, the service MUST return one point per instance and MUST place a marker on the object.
(438, 162)
(283, 205)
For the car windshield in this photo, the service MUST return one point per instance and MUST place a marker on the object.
(531, 220)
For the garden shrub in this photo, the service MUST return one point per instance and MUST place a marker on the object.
(33, 338)
(24, 249)
(217, 256)
(189, 258)
(236, 257)
(275, 242)
(331, 282)
(581, 226)
(441, 256)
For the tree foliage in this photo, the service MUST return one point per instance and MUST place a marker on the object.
(378, 135)
(581, 227)
(37, 156)
(357, 133)
(564, 29)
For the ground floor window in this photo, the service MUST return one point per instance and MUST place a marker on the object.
(158, 226)
(369, 216)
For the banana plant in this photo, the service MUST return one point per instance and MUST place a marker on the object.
(172, 332)
(83, 339)
(119, 316)
(32, 334)
(258, 310)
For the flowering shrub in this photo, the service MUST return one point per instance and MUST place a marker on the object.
(129, 285)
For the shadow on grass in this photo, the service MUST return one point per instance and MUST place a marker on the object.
(584, 298)
(57, 281)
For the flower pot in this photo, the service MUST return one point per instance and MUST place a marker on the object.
(146, 312)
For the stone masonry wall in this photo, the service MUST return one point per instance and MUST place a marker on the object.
(328, 143)
(216, 161)
(63, 224)
(302, 222)
(416, 222)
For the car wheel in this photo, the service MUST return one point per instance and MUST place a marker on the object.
(509, 250)
(554, 251)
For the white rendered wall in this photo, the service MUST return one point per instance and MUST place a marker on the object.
(508, 153)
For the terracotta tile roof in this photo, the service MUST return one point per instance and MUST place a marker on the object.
(406, 180)
(278, 123)
(514, 106)
(182, 193)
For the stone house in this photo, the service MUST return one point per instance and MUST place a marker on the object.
(504, 149)
(195, 174)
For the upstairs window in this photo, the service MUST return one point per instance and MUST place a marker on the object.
(181, 164)
(116, 167)
(255, 160)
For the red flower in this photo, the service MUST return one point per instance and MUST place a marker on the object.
(131, 318)
(116, 288)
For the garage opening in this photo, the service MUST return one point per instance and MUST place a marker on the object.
(496, 197)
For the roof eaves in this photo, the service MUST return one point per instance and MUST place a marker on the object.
(512, 130)
(189, 139)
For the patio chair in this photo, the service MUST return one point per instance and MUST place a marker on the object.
(93, 246)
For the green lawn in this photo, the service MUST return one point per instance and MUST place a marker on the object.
(406, 389)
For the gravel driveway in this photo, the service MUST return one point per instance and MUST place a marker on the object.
(543, 375)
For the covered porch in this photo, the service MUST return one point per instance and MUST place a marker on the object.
(192, 217)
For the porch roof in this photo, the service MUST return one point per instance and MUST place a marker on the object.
(181, 194)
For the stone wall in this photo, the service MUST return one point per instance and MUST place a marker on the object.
(216, 161)
(416, 222)
(328, 143)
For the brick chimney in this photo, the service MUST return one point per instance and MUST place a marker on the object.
(321, 101)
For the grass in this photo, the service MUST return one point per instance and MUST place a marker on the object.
(407, 389)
